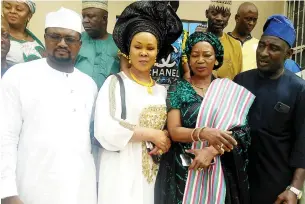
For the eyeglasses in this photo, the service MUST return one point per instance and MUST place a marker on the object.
(57, 38)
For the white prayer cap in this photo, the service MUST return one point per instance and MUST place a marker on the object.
(64, 18)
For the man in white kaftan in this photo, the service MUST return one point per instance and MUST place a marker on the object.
(46, 150)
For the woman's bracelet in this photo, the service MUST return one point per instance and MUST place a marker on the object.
(198, 134)
(192, 134)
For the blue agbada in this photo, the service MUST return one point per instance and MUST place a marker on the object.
(280, 26)
(277, 123)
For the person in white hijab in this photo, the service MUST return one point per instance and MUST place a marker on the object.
(46, 150)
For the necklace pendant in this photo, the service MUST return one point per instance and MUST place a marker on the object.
(149, 90)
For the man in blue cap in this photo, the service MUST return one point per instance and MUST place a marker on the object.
(276, 119)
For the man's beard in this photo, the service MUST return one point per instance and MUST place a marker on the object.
(94, 33)
(62, 60)
(268, 72)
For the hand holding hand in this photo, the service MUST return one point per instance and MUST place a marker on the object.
(220, 140)
(203, 158)
(161, 140)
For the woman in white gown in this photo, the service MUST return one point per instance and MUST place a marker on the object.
(131, 109)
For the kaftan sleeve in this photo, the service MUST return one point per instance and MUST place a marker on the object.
(297, 157)
(11, 118)
(108, 128)
(95, 92)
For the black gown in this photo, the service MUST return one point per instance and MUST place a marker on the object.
(172, 175)
(277, 122)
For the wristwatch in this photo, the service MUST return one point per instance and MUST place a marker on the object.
(295, 191)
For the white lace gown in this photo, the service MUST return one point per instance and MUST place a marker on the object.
(127, 174)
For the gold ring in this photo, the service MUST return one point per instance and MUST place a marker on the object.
(199, 169)
(160, 151)
(220, 146)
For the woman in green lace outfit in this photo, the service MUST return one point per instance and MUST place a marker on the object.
(25, 46)
(205, 53)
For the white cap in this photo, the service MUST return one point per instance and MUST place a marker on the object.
(64, 18)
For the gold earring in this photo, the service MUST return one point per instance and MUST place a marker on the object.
(216, 63)
(126, 57)
(129, 60)
(155, 62)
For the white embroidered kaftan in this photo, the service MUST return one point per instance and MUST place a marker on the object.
(127, 173)
(46, 150)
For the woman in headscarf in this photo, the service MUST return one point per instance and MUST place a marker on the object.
(25, 46)
(131, 108)
(190, 172)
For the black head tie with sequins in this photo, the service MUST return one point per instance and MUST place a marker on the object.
(155, 17)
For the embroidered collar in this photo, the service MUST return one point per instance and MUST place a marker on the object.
(249, 37)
